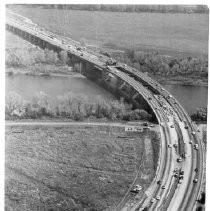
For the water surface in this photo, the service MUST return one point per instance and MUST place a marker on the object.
(27, 86)
(190, 97)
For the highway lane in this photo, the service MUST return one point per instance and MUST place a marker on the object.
(187, 166)
(168, 174)
(191, 191)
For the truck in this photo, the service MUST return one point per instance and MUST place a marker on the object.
(111, 62)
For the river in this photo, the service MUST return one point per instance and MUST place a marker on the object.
(190, 97)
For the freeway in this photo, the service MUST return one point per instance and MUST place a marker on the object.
(169, 190)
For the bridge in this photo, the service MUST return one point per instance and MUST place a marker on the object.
(178, 182)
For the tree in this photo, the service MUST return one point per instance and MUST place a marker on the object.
(63, 57)
(51, 56)
(15, 105)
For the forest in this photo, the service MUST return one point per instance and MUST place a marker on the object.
(70, 106)
(161, 67)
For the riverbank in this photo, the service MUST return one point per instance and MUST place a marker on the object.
(45, 70)
(72, 106)
(183, 82)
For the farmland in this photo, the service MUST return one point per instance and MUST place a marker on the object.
(170, 33)
(72, 168)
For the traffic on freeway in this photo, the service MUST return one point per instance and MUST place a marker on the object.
(178, 182)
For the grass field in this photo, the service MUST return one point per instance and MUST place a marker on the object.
(73, 168)
(186, 33)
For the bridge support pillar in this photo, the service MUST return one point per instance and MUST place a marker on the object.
(122, 85)
(135, 95)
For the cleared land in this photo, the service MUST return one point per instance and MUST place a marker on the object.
(72, 168)
(171, 33)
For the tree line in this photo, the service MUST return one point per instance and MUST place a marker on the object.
(125, 7)
(165, 66)
(21, 57)
(200, 115)
(71, 106)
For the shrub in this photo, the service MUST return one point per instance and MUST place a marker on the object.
(14, 105)
(76, 67)
(51, 57)
(69, 105)
(63, 57)
(200, 115)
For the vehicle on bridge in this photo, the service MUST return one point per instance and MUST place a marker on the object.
(179, 159)
(195, 180)
(196, 146)
(111, 62)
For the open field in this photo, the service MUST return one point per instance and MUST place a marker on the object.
(73, 168)
(172, 33)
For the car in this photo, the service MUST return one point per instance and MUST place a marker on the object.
(175, 170)
(175, 145)
(136, 189)
(196, 170)
(181, 177)
(193, 132)
(182, 172)
(180, 182)
(183, 155)
(158, 197)
(186, 127)
(81, 54)
(152, 200)
(116, 71)
(196, 146)
(149, 98)
(179, 160)
(195, 180)
(152, 126)
(176, 174)
(198, 131)
(190, 142)
(159, 182)
(79, 48)
(172, 126)
(169, 146)
(145, 124)
(163, 187)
